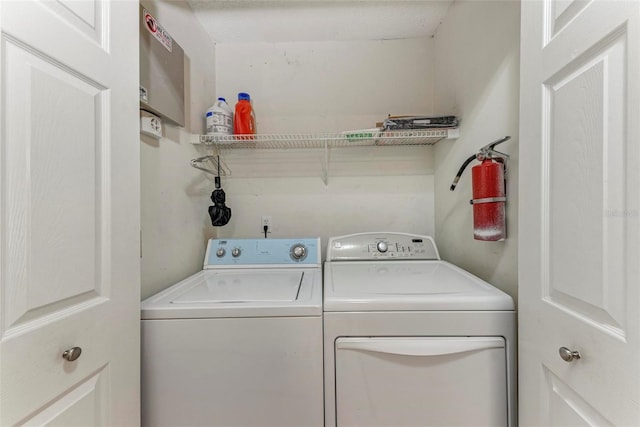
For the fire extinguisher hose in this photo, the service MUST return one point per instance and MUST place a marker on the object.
(460, 171)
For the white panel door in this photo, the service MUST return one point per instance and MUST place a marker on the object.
(579, 254)
(69, 218)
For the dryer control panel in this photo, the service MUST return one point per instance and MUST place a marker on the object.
(383, 245)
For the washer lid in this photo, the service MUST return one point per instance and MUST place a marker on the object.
(239, 293)
(250, 286)
(407, 286)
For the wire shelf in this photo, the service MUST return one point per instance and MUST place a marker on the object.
(328, 140)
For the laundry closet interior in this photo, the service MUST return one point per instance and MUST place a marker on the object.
(106, 231)
(317, 68)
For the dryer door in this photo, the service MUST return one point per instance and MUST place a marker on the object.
(409, 381)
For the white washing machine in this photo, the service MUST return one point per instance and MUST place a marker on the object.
(239, 343)
(411, 340)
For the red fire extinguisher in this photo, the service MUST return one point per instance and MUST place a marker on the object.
(489, 195)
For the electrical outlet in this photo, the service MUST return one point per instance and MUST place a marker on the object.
(266, 221)
(150, 125)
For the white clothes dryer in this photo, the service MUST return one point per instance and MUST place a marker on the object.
(240, 342)
(412, 340)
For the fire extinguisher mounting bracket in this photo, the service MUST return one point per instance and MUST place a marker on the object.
(487, 200)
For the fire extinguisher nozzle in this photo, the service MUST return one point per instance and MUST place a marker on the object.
(454, 183)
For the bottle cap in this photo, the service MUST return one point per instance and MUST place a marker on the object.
(222, 99)
(243, 95)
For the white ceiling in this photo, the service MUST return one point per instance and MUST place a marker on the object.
(233, 21)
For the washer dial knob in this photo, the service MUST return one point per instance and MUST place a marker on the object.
(220, 252)
(298, 252)
(382, 247)
(235, 252)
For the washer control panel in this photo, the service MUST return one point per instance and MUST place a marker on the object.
(262, 252)
(387, 246)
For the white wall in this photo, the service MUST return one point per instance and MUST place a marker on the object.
(328, 87)
(174, 229)
(477, 79)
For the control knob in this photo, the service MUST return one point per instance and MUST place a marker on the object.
(220, 252)
(235, 252)
(298, 252)
(382, 247)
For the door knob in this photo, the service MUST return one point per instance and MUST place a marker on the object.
(568, 355)
(72, 353)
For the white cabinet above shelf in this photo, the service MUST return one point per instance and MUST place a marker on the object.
(328, 140)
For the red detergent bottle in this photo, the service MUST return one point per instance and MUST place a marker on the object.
(244, 122)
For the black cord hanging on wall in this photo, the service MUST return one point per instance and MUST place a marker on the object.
(220, 214)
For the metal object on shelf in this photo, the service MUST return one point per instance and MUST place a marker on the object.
(417, 137)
